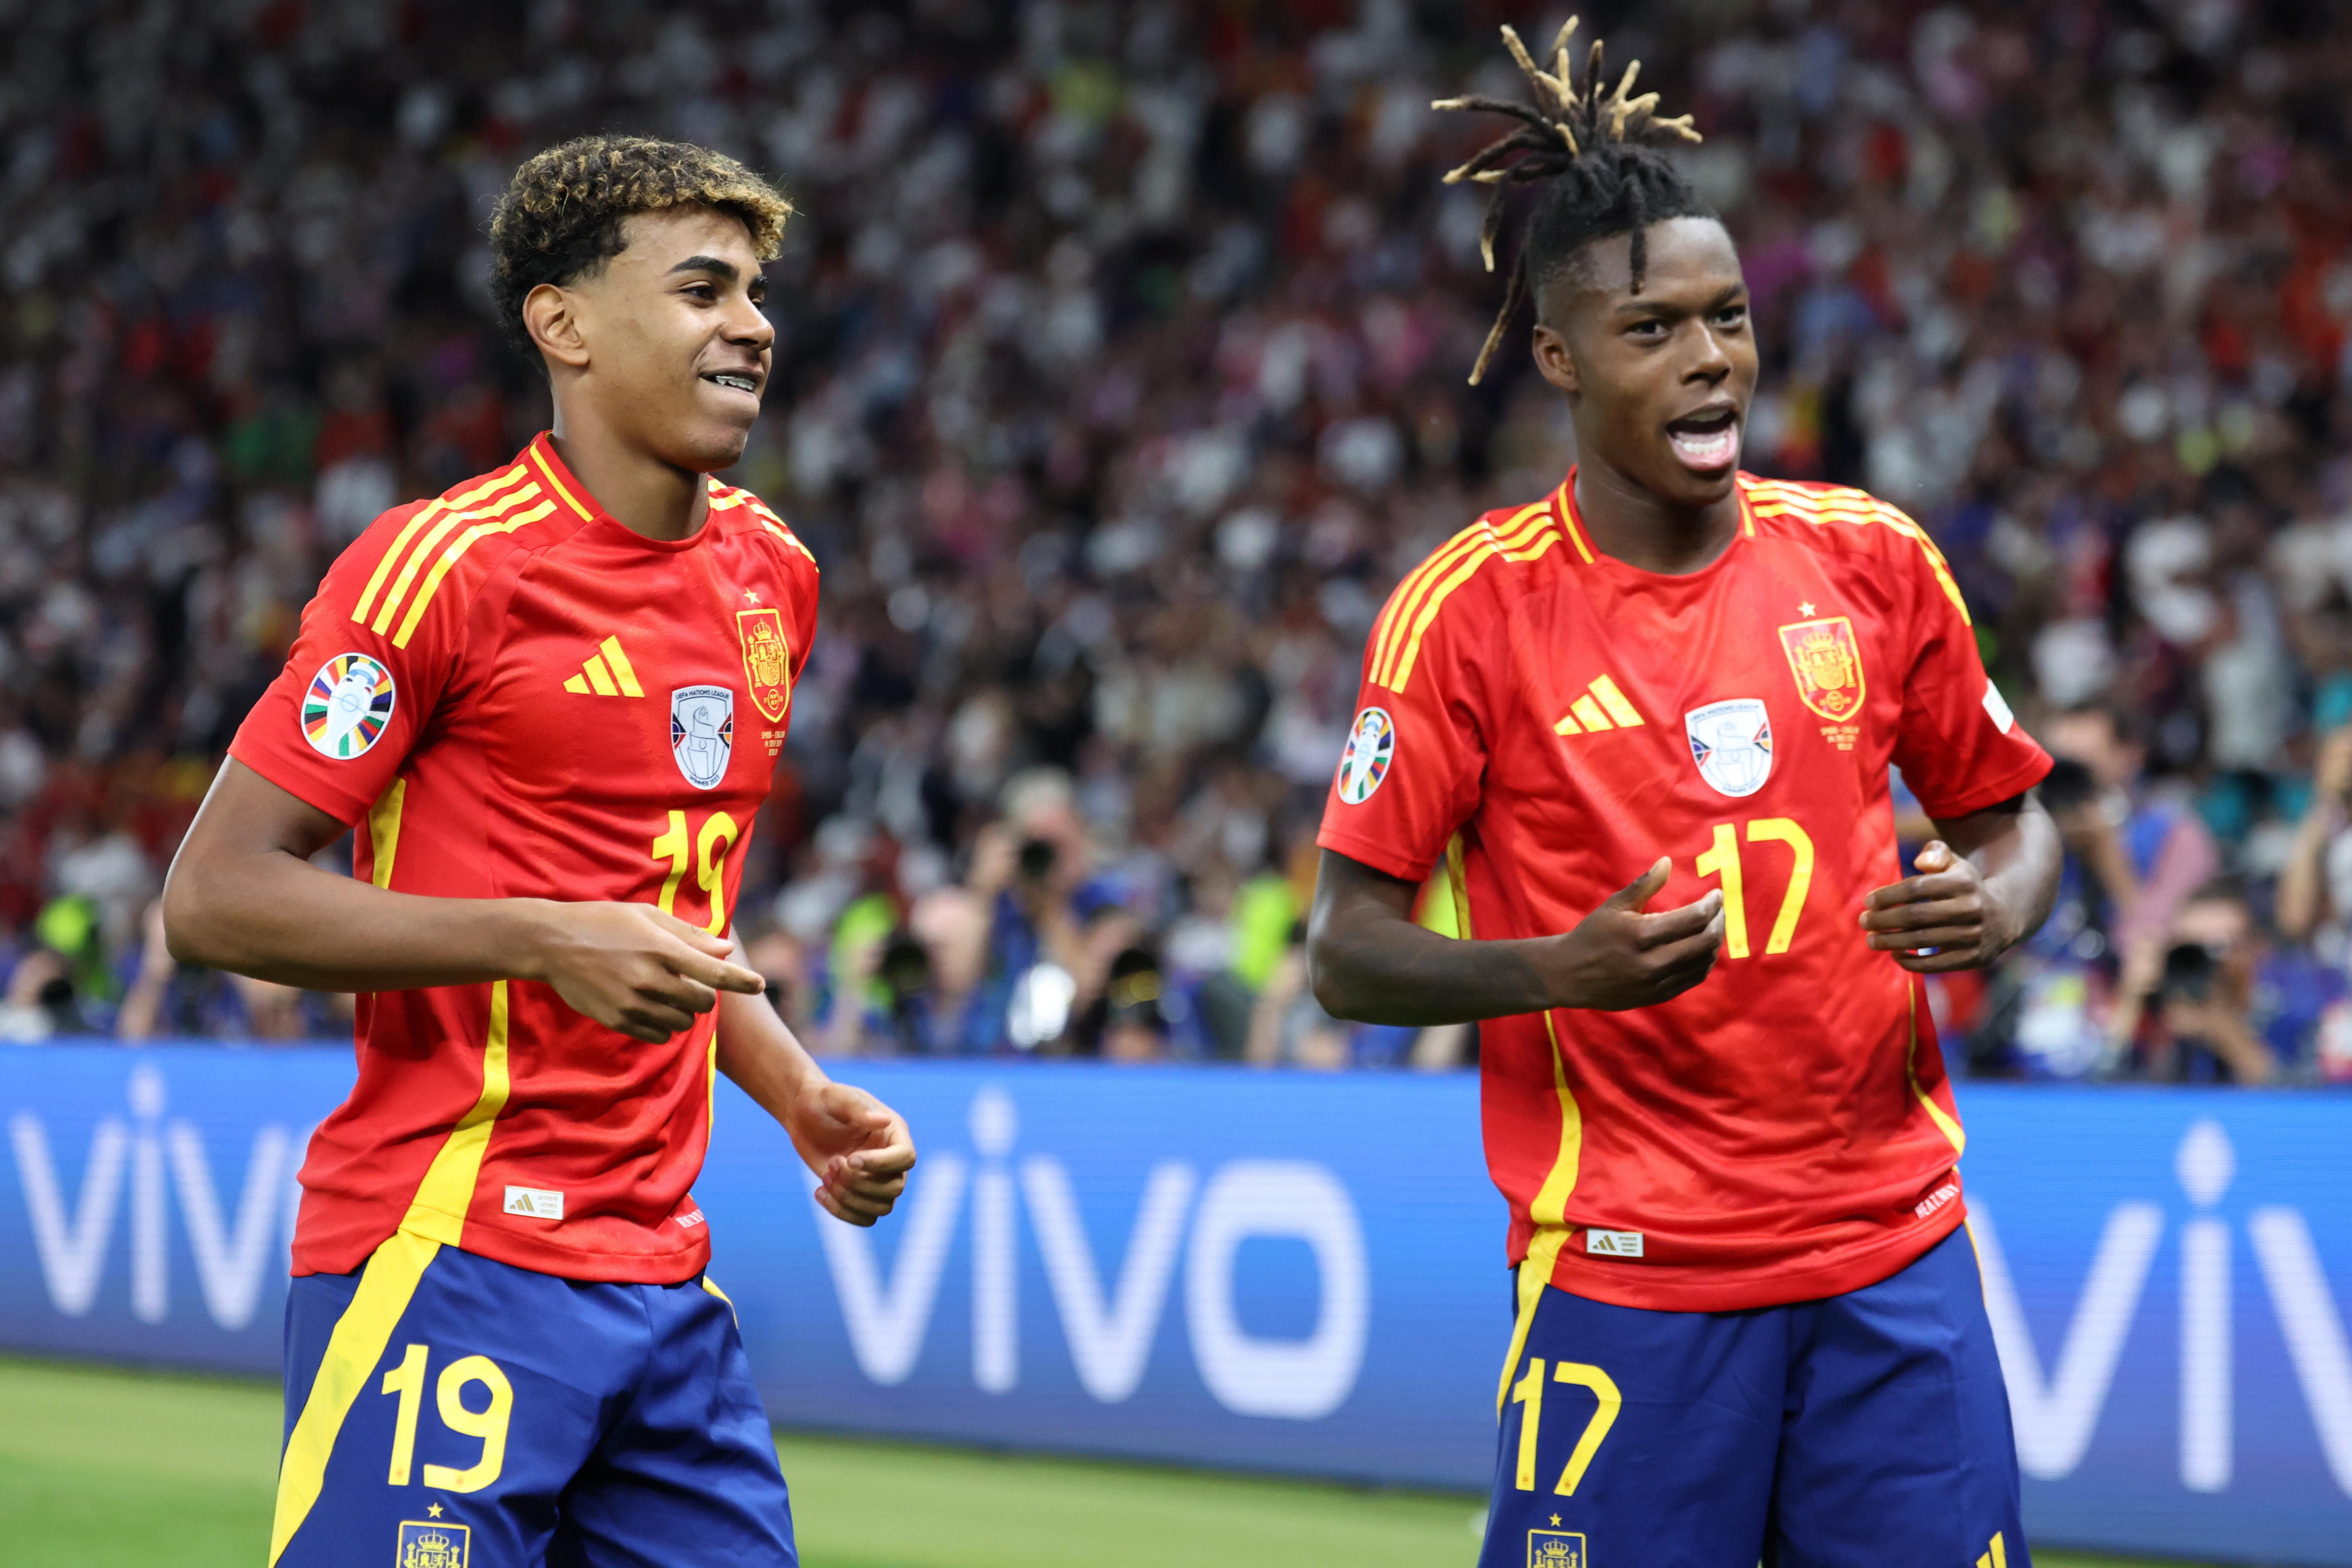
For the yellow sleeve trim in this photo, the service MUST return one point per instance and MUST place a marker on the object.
(449, 557)
(431, 541)
(1515, 540)
(425, 514)
(1862, 510)
(1386, 634)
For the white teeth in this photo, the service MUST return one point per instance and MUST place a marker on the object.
(1707, 448)
(741, 383)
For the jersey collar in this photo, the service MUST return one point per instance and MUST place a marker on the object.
(548, 465)
(543, 460)
(1571, 518)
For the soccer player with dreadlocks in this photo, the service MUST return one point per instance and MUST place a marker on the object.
(1748, 1323)
(549, 701)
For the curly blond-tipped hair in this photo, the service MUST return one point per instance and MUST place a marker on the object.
(561, 216)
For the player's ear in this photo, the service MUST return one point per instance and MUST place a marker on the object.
(552, 317)
(1555, 360)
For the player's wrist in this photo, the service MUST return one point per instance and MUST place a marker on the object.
(526, 935)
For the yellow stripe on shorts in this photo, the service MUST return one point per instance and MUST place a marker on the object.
(360, 1337)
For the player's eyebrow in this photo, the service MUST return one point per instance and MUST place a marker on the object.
(711, 264)
(1654, 305)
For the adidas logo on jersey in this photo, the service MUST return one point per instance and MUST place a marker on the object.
(1603, 707)
(607, 673)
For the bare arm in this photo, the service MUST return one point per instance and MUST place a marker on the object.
(2302, 888)
(243, 896)
(857, 1145)
(1370, 962)
(1985, 884)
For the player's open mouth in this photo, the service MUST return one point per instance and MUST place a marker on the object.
(735, 380)
(1708, 441)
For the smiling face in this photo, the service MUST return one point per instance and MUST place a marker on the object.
(1657, 382)
(668, 339)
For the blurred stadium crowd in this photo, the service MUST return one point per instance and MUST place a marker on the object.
(1120, 374)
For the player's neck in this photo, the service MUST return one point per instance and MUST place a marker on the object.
(1632, 524)
(637, 490)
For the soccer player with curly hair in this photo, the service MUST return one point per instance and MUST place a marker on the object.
(1749, 1326)
(547, 703)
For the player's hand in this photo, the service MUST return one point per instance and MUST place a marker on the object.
(1946, 908)
(1618, 956)
(859, 1147)
(634, 969)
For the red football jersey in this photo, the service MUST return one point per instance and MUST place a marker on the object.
(1552, 721)
(521, 697)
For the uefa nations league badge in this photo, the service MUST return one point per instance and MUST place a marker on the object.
(702, 732)
(1732, 744)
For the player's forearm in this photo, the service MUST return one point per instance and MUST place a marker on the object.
(275, 917)
(2017, 847)
(759, 1054)
(1369, 961)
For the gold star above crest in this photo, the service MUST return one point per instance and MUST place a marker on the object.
(434, 1512)
(752, 594)
(1555, 1519)
(1806, 608)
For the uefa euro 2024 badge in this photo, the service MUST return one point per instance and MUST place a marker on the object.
(1371, 747)
(702, 732)
(347, 707)
(1731, 743)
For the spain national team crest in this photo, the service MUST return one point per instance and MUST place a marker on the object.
(348, 705)
(1556, 1549)
(432, 1545)
(1732, 744)
(1826, 658)
(1371, 747)
(767, 659)
(702, 732)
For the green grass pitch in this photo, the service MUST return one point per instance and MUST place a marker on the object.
(106, 1469)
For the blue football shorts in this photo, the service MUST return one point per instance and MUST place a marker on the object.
(1862, 1431)
(445, 1411)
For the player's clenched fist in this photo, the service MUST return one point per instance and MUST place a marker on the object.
(632, 968)
(1620, 956)
(1940, 920)
(859, 1148)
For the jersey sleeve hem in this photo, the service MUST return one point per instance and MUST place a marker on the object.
(1377, 856)
(1991, 791)
(305, 788)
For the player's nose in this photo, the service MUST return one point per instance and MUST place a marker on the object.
(1710, 360)
(748, 325)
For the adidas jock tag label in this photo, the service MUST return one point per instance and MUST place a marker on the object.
(534, 1202)
(1613, 1243)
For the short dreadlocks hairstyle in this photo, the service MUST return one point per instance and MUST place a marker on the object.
(1595, 150)
(560, 217)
